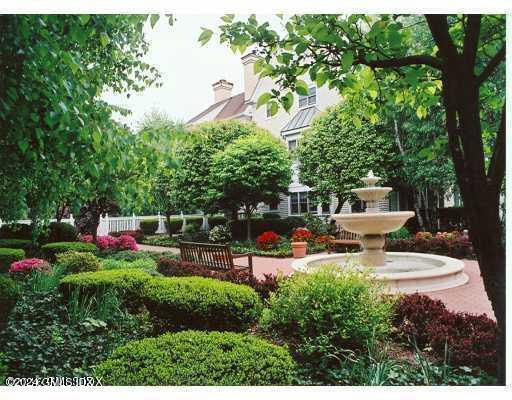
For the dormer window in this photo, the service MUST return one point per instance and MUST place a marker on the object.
(310, 99)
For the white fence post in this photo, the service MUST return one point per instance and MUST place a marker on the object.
(71, 220)
(184, 224)
(205, 227)
(103, 228)
(161, 226)
(133, 222)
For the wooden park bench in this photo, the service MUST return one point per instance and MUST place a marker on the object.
(214, 256)
(344, 238)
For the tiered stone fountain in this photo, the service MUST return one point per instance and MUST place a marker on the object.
(401, 272)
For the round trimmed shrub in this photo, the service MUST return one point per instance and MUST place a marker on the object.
(8, 256)
(200, 303)
(327, 311)
(73, 262)
(149, 226)
(50, 250)
(146, 264)
(198, 358)
(62, 232)
(9, 293)
(16, 243)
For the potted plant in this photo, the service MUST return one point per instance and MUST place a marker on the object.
(300, 239)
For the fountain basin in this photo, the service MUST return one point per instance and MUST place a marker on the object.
(402, 272)
(373, 223)
(372, 193)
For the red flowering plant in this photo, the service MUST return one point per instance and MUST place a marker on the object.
(85, 238)
(267, 240)
(29, 265)
(107, 242)
(126, 242)
(323, 239)
(302, 235)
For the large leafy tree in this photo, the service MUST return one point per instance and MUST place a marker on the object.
(457, 66)
(54, 69)
(334, 154)
(196, 157)
(251, 170)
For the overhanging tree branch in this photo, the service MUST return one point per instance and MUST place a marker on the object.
(421, 59)
(438, 26)
(491, 66)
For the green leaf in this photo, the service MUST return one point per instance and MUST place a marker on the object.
(347, 59)
(287, 101)
(84, 18)
(23, 145)
(263, 99)
(154, 19)
(321, 78)
(273, 108)
(421, 112)
(301, 48)
(104, 39)
(205, 36)
(228, 18)
(301, 87)
(357, 121)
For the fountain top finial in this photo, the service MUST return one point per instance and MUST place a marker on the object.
(370, 180)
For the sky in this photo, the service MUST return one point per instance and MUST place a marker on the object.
(188, 70)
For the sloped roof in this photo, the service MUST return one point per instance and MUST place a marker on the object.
(301, 119)
(229, 108)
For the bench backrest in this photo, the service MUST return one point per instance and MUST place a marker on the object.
(345, 235)
(217, 256)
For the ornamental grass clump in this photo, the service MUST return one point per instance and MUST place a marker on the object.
(328, 311)
(198, 358)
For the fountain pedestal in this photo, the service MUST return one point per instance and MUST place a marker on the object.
(373, 254)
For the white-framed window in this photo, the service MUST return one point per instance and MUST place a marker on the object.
(309, 99)
(292, 145)
(301, 204)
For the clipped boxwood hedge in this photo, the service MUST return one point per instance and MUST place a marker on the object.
(16, 231)
(8, 256)
(51, 249)
(198, 358)
(128, 282)
(16, 243)
(149, 226)
(200, 303)
(62, 232)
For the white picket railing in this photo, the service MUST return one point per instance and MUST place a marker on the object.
(115, 224)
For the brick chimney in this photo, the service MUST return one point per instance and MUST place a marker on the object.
(250, 78)
(222, 90)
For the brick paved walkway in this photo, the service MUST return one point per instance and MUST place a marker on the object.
(468, 298)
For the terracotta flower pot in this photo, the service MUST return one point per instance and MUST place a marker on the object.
(299, 249)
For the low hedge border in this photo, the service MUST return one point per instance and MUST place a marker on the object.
(149, 226)
(200, 303)
(16, 243)
(50, 250)
(198, 358)
(8, 256)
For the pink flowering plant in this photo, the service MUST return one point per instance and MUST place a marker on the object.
(29, 265)
(86, 238)
(126, 242)
(107, 242)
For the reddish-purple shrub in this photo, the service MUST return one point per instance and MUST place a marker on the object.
(138, 235)
(171, 267)
(29, 265)
(404, 245)
(452, 244)
(413, 313)
(471, 339)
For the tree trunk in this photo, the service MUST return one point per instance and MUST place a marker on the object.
(480, 192)
(248, 214)
(416, 199)
(168, 219)
(341, 201)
